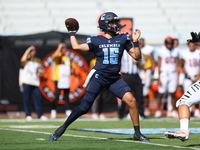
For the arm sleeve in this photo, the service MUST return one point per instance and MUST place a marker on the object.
(90, 45)
(128, 42)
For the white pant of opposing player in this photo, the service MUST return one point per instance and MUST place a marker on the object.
(146, 80)
(191, 96)
(169, 82)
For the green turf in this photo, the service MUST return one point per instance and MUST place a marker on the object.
(14, 138)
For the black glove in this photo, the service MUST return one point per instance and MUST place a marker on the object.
(195, 37)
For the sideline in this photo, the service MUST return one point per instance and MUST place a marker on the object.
(90, 119)
(98, 138)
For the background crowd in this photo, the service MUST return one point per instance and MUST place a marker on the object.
(157, 81)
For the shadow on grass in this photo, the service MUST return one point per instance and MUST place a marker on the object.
(193, 145)
(131, 139)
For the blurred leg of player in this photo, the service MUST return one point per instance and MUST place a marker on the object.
(189, 98)
(168, 84)
(163, 81)
(193, 110)
(147, 82)
(172, 86)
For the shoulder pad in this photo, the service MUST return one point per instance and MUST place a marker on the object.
(127, 35)
(89, 38)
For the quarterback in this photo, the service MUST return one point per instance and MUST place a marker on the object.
(108, 50)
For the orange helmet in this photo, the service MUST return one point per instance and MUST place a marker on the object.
(154, 85)
(179, 92)
(169, 40)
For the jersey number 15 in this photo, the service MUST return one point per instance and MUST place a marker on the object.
(110, 55)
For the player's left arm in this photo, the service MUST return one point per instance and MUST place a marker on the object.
(153, 65)
(177, 69)
(135, 51)
(159, 69)
(181, 66)
(177, 65)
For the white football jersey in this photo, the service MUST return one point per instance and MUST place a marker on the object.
(147, 49)
(168, 59)
(192, 61)
(29, 74)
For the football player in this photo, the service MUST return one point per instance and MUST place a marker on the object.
(189, 98)
(147, 72)
(168, 75)
(190, 67)
(108, 50)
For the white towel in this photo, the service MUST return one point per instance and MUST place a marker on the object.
(89, 77)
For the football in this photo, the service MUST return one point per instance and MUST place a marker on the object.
(71, 24)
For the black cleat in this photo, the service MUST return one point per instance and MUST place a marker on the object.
(140, 137)
(53, 137)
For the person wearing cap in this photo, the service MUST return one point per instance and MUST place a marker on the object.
(168, 75)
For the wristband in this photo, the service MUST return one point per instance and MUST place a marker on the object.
(72, 33)
(136, 44)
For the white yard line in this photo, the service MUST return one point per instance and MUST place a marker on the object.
(80, 136)
(54, 120)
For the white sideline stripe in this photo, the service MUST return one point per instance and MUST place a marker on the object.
(90, 119)
(29, 126)
(101, 138)
(55, 120)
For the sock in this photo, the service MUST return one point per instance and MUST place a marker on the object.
(53, 113)
(137, 129)
(68, 112)
(184, 123)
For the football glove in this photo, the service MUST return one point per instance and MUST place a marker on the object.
(195, 37)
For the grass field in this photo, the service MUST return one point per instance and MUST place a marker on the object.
(18, 134)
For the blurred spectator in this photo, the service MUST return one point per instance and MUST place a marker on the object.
(190, 67)
(130, 73)
(180, 50)
(61, 78)
(146, 72)
(176, 43)
(168, 75)
(198, 46)
(97, 106)
(31, 81)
